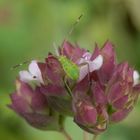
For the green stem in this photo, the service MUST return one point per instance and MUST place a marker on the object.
(66, 134)
(95, 137)
(85, 135)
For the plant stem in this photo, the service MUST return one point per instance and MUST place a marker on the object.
(95, 137)
(66, 134)
(85, 135)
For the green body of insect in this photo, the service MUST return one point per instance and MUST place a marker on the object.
(70, 68)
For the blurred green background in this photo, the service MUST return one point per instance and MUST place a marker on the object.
(28, 29)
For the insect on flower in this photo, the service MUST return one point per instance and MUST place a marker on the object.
(91, 87)
(78, 71)
(71, 69)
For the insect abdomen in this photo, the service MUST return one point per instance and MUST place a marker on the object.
(69, 67)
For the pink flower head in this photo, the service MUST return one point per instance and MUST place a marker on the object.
(32, 105)
(105, 92)
(109, 95)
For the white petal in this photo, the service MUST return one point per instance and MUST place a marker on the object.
(83, 72)
(87, 56)
(81, 61)
(96, 63)
(90, 66)
(136, 77)
(35, 71)
(33, 68)
(25, 76)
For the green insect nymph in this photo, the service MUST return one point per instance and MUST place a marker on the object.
(70, 68)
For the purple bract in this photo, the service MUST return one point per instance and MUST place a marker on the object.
(104, 93)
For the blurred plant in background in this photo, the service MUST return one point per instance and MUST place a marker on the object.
(28, 28)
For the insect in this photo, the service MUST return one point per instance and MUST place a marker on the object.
(70, 68)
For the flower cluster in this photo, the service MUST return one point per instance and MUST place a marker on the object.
(104, 92)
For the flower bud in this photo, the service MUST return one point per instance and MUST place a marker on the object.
(106, 95)
(32, 105)
(90, 112)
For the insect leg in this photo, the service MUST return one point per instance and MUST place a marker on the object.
(18, 65)
(67, 86)
(85, 63)
(76, 22)
(56, 49)
(88, 73)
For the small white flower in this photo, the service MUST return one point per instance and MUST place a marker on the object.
(89, 66)
(34, 73)
(136, 77)
(87, 56)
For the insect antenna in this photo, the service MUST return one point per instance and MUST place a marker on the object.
(71, 30)
(56, 49)
(25, 62)
(21, 64)
(73, 26)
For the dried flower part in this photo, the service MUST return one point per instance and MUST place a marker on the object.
(73, 52)
(90, 87)
(109, 61)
